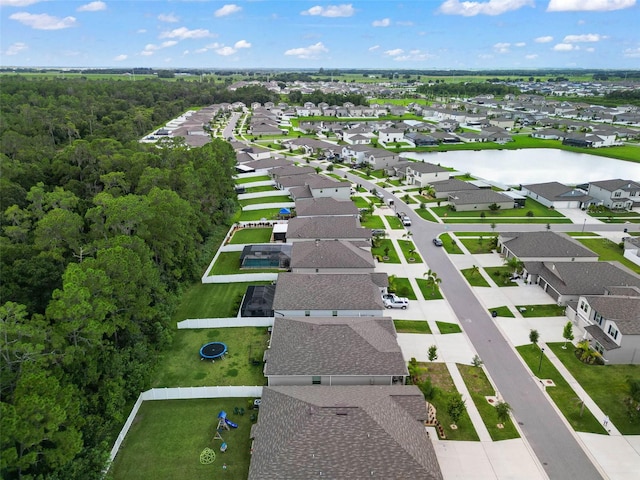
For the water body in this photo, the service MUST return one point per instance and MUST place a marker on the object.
(513, 167)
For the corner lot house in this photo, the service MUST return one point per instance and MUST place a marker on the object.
(334, 351)
(557, 195)
(466, 201)
(345, 432)
(543, 246)
(424, 173)
(616, 194)
(612, 323)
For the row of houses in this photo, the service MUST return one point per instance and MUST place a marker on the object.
(615, 194)
(335, 372)
(601, 297)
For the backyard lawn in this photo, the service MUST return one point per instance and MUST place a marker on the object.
(167, 437)
(536, 208)
(605, 384)
(259, 178)
(228, 263)
(266, 199)
(562, 394)
(412, 326)
(608, 251)
(544, 310)
(257, 215)
(251, 235)
(261, 188)
(212, 300)
(180, 364)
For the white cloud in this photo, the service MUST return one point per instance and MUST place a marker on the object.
(312, 51)
(502, 47)
(520, 44)
(413, 56)
(225, 51)
(491, 7)
(385, 22)
(168, 18)
(43, 21)
(590, 49)
(533, 56)
(120, 58)
(331, 11)
(588, 5)
(242, 44)
(92, 7)
(142, 30)
(16, 48)
(227, 10)
(395, 52)
(587, 37)
(183, 33)
(17, 3)
(546, 39)
(375, 47)
(632, 52)
(150, 48)
(565, 47)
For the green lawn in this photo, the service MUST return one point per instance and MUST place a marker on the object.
(251, 235)
(449, 244)
(428, 292)
(259, 178)
(412, 326)
(425, 214)
(474, 278)
(582, 234)
(385, 247)
(441, 379)
(503, 311)
(536, 208)
(402, 288)
(506, 220)
(212, 300)
(479, 387)
(267, 199)
(394, 222)
(256, 215)
(605, 384)
(373, 221)
(167, 437)
(228, 263)
(263, 188)
(409, 251)
(180, 365)
(360, 202)
(608, 251)
(446, 327)
(562, 394)
(482, 244)
(548, 310)
(498, 276)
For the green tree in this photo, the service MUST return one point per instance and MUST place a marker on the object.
(514, 264)
(503, 410)
(433, 281)
(456, 407)
(433, 353)
(567, 334)
(534, 336)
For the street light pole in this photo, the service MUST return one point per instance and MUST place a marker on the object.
(583, 224)
(541, 355)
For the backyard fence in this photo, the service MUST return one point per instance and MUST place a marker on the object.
(182, 393)
(226, 322)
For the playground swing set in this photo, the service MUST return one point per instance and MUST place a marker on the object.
(223, 424)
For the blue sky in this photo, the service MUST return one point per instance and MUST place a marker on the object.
(388, 34)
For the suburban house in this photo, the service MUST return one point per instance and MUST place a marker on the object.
(549, 134)
(543, 246)
(557, 195)
(353, 432)
(567, 281)
(632, 249)
(480, 199)
(390, 135)
(289, 171)
(329, 295)
(444, 188)
(264, 165)
(612, 323)
(325, 206)
(270, 255)
(334, 351)
(380, 159)
(616, 194)
(326, 228)
(332, 256)
(424, 173)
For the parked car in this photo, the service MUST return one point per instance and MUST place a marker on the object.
(396, 302)
(378, 232)
(380, 195)
(406, 221)
(437, 242)
(401, 215)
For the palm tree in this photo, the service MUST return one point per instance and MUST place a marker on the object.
(514, 264)
(474, 270)
(432, 280)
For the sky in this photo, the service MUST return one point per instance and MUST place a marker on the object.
(301, 34)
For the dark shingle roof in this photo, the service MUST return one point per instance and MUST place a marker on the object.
(623, 310)
(330, 254)
(334, 346)
(618, 183)
(326, 228)
(483, 195)
(325, 206)
(452, 185)
(555, 191)
(544, 245)
(297, 291)
(426, 167)
(342, 433)
(586, 278)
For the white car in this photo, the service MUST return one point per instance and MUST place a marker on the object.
(396, 302)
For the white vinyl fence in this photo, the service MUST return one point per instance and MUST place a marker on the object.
(226, 322)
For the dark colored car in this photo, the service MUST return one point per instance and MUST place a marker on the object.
(437, 242)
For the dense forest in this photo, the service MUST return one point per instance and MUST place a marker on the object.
(99, 235)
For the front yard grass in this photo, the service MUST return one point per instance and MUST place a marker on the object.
(394, 222)
(385, 248)
(441, 379)
(402, 288)
(544, 310)
(360, 202)
(412, 326)
(479, 387)
(608, 251)
(605, 384)
(428, 291)
(267, 199)
(482, 244)
(474, 277)
(212, 300)
(167, 437)
(426, 214)
(409, 251)
(502, 311)
(251, 236)
(180, 364)
(228, 263)
(446, 328)
(499, 275)
(449, 244)
(562, 394)
(373, 221)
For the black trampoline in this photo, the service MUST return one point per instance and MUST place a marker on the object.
(213, 350)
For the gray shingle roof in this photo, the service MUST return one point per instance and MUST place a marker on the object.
(297, 291)
(555, 191)
(618, 183)
(290, 170)
(325, 206)
(482, 195)
(452, 185)
(426, 167)
(334, 346)
(330, 254)
(544, 245)
(624, 310)
(326, 228)
(342, 433)
(586, 278)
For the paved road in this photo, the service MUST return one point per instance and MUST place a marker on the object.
(553, 443)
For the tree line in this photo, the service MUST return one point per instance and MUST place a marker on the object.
(100, 234)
